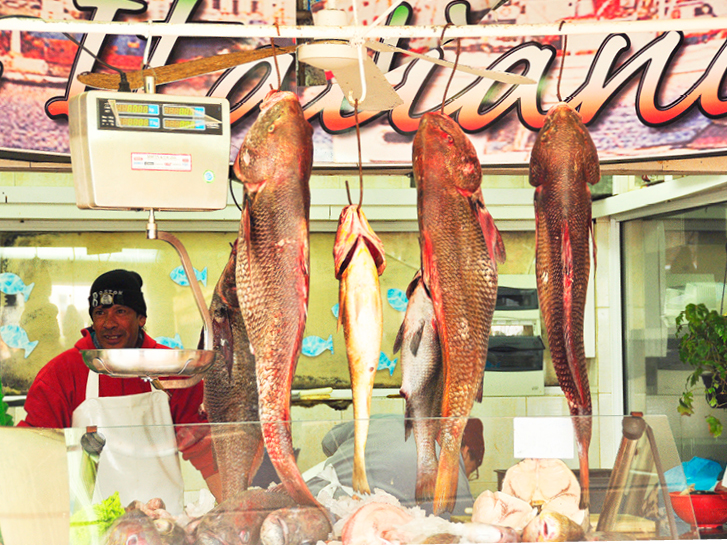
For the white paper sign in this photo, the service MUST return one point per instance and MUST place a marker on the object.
(543, 437)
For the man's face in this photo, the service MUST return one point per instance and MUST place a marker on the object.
(117, 326)
(470, 464)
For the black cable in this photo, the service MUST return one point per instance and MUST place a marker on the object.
(233, 195)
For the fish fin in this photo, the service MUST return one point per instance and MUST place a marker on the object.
(590, 231)
(536, 205)
(245, 234)
(425, 486)
(493, 239)
(567, 257)
(257, 461)
(416, 339)
(480, 390)
(399, 338)
(408, 420)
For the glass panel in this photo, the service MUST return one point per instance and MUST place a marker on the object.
(670, 261)
(629, 499)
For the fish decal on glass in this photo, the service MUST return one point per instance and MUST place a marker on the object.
(397, 299)
(15, 337)
(315, 346)
(334, 310)
(175, 342)
(386, 363)
(180, 277)
(11, 284)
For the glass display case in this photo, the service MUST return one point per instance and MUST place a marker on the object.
(51, 491)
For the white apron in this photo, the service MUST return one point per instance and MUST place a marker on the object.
(140, 457)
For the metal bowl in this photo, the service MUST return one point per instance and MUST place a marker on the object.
(148, 362)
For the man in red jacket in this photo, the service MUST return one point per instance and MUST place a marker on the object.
(65, 393)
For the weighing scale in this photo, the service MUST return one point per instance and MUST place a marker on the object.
(147, 151)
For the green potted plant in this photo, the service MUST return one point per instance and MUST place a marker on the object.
(702, 335)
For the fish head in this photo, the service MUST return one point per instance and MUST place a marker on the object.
(353, 229)
(444, 152)
(563, 134)
(279, 133)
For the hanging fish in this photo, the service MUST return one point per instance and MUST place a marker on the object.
(175, 342)
(563, 162)
(397, 299)
(16, 337)
(273, 266)
(421, 383)
(315, 346)
(11, 284)
(180, 276)
(359, 261)
(460, 246)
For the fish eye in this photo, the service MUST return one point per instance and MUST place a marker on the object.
(271, 127)
(244, 536)
(132, 540)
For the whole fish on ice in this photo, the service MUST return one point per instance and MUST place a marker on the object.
(359, 260)
(563, 162)
(460, 246)
(421, 382)
(274, 165)
(230, 389)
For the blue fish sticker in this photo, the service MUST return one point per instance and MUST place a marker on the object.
(386, 363)
(180, 277)
(397, 299)
(334, 310)
(315, 346)
(11, 284)
(16, 337)
(175, 342)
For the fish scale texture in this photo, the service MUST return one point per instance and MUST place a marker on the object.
(230, 389)
(460, 274)
(563, 162)
(274, 164)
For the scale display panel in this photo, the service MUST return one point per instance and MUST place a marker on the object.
(136, 151)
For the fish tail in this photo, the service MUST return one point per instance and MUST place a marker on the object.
(329, 343)
(26, 292)
(445, 489)
(202, 277)
(29, 348)
(280, 449)
(426, 484)
(361, 412)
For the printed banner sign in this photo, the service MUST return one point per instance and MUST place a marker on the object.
(644, 96)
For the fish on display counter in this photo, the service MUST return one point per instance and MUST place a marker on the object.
(230, 389)
(274, 164)
(421, 382)
(237, 520)
(563, 162)
(460, 246)
(295, 526)
(359, 261)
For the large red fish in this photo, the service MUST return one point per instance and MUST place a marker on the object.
(230, 389)
(274, 164)
(562, 164)
(359, 260)
(460, 246)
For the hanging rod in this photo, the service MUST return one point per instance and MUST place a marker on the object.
(235, 30)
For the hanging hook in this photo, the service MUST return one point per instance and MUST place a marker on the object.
(451, 76)
(360, 168)
(562, 61)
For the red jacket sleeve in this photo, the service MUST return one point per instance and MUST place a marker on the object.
(193, 440)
